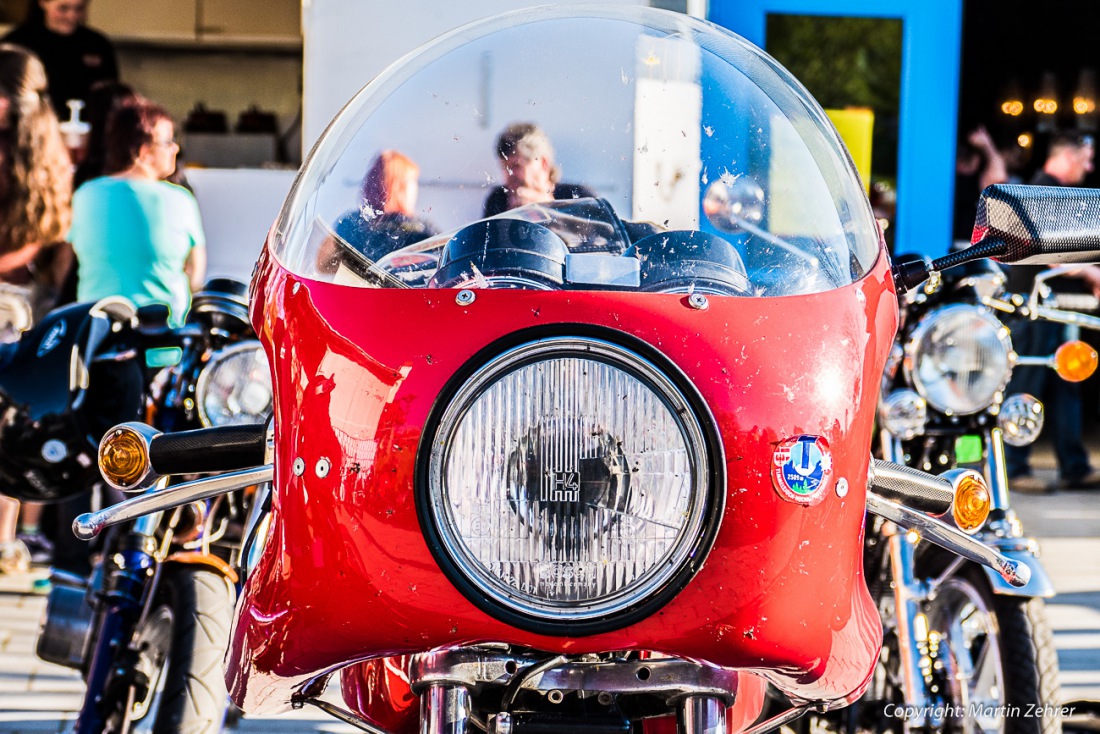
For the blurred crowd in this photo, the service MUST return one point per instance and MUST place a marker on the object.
(92, 201)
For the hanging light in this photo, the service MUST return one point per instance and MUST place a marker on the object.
(1084, 100)
(1013, 100)
(1046, 103)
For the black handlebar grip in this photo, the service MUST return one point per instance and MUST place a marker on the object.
(225, 448)
(913, 488)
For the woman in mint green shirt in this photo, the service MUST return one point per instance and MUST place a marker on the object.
(134, 234)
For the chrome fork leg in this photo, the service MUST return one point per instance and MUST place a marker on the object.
(702, 715)
(996, 469)
(912, 627)
(444, 710)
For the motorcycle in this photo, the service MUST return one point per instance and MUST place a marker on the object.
(562, 469)
(148, 626)
(944, 406)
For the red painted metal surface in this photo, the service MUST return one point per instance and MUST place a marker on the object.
(347, 576)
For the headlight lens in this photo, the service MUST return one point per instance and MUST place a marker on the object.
(569, 480)
(1021, 419)
(904, 414)
(959, 359)
(235, 386)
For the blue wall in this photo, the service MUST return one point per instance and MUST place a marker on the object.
(927, 120)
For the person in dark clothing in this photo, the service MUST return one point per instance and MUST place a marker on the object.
(75, 56)
(978, 164)
(387, 219)
(530, 174)
(104, 98)
(1068, 162)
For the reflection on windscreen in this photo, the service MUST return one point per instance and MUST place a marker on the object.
(581, 244)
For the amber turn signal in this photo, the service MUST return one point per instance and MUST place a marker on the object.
(972, 502)
(123, 457)
(1075, 361)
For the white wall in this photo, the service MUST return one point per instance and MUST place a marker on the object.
(348, 42)
(238, 207)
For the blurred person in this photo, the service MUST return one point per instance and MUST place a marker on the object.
(75, 56)
(35, 194)
(1069, 160)
(387, 220)
(134, 234)
(1017, 158)
(104, 98)
(978, 163)
(530, 173)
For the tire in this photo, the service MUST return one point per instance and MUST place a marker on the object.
(1032, 661)
(1002, 650)
(186, 635)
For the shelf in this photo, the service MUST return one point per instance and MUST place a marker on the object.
(281, 45)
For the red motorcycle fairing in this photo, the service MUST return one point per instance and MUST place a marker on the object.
(347, 575)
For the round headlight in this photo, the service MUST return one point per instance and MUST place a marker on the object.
(959, 359)
(569, 482)
(235, 386)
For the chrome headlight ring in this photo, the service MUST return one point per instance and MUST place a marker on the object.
(959, 358)
(570, 485)
(234, 387)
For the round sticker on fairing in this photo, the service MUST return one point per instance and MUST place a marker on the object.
(802, 469)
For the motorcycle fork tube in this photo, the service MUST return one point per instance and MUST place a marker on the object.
(701, 715)
(996, 470)
(444, 710)
(127, 595)
(912, 627)
(891, 447)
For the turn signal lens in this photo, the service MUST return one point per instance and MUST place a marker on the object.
(123, 458)
(1075, 361)
(972, 502)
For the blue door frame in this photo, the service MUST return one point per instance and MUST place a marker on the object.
(927, 118)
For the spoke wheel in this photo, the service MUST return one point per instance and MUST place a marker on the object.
(181, 645)
(999, 666)
(155, 643)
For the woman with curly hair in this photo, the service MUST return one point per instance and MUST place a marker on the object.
(35, 200)
(35, 179)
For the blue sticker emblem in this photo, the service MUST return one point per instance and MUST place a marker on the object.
(802, 469)
(52, 339)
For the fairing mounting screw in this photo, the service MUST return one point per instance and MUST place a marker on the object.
(465, 297)
(299, 467)
(698, 301)
(322, 468)
(842, 487)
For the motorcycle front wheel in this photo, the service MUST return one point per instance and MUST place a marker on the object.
(1001, 667)
(181, 644)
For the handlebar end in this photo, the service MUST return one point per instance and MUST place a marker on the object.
(1014, 572)
(87, 526)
